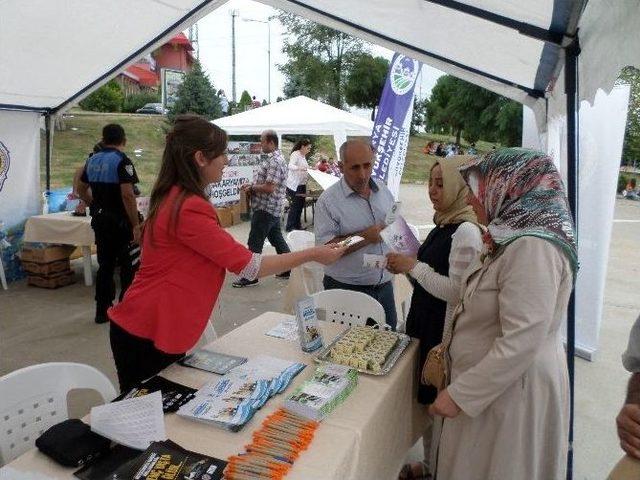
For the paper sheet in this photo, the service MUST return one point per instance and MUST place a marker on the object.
(135, 422)
(8, 473)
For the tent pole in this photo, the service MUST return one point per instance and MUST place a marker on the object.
(47, 161)
(573, 185)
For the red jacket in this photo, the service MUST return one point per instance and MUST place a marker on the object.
(180, 276)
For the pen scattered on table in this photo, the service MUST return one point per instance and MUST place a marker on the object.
(275, 446)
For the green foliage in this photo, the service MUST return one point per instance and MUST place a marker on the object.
(196, 95)
(458, 107)
(319, 60)
(365, 81)
(107, 98)
(622, 183)
(245, 101)
(138, 100)
(631, 149)
(419, 115)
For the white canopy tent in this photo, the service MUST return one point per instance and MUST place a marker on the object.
(298, 116)
(527, 51)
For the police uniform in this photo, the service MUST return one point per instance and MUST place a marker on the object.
(105, 171)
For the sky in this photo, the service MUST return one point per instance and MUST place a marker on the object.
(214, 36)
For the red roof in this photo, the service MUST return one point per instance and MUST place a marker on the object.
(144, 76)
(181, 39)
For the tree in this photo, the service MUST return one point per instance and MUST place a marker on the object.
(631, 148)
(319, 59)
(365, 81)
(196, 95)
(245, 101)
(418, 116)
(458, 107)
(108, 98)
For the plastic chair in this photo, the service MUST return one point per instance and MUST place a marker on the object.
(34, 398)
(349, 308)
(300, 239)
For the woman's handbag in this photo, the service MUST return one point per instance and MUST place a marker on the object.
(434, 370)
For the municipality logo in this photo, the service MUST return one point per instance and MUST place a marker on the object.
(4, 164)
(404, 72)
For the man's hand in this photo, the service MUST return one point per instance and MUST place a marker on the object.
(398, 263)
(245, 187)
(372, 234)
(628, 423)
(444, 406)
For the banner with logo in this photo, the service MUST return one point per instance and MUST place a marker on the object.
(227, 190)
(19, 182)
(390, 136)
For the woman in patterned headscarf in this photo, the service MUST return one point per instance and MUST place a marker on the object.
(507, 402)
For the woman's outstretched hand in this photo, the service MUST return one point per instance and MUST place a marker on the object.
(327, 254)
(397, 263)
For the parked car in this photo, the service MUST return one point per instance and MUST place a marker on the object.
(153, 109)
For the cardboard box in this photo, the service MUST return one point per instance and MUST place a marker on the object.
(47, 254)
(244, 202)
(52, 281)
(225, 215)
(237, 214)
(44, 269)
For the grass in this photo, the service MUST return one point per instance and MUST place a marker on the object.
(72, 145)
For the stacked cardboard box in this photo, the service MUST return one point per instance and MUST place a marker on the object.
(48, 267)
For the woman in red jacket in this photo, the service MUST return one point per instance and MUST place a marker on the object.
(185, 255)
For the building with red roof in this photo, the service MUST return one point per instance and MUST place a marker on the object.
(144, 75)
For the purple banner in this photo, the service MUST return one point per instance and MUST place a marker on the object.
(391, 129)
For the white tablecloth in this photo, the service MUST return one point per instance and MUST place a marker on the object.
(59, 228)
(365, 438)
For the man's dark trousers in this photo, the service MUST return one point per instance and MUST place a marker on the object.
(113, 239)
(264, 225)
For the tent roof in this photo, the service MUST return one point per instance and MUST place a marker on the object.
(511, 47)
(299, 115)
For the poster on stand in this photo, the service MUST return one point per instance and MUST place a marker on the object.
(170, 81)
(19, 183)
(390, 136)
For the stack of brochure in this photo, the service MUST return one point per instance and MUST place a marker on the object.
(329, 386)
(232, 401)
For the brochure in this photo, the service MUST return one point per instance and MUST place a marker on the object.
(212, 361)
(174, 395)
(399, 238)
(308, 329)
(169, 460)
(321, 394)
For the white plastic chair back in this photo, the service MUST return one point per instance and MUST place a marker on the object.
(349, 308)
(300, 239)
(34, 398)
(414, 230)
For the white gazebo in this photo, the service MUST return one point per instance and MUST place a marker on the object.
(298, 116)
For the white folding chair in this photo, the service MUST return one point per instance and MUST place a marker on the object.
(349, 308)
(34, 398)
(300, 239)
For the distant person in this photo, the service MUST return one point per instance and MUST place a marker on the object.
(472, 149)
(322, 165)
(440, 152)
(334, 169)
(111, 176)
(268, 194)
(224, 102)
(357, 205)
(297, 183)
(255, 103)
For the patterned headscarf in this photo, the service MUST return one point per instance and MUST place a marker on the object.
(522, 194)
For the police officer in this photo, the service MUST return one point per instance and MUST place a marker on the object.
(112, 201)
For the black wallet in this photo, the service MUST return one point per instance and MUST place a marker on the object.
(72, 443)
